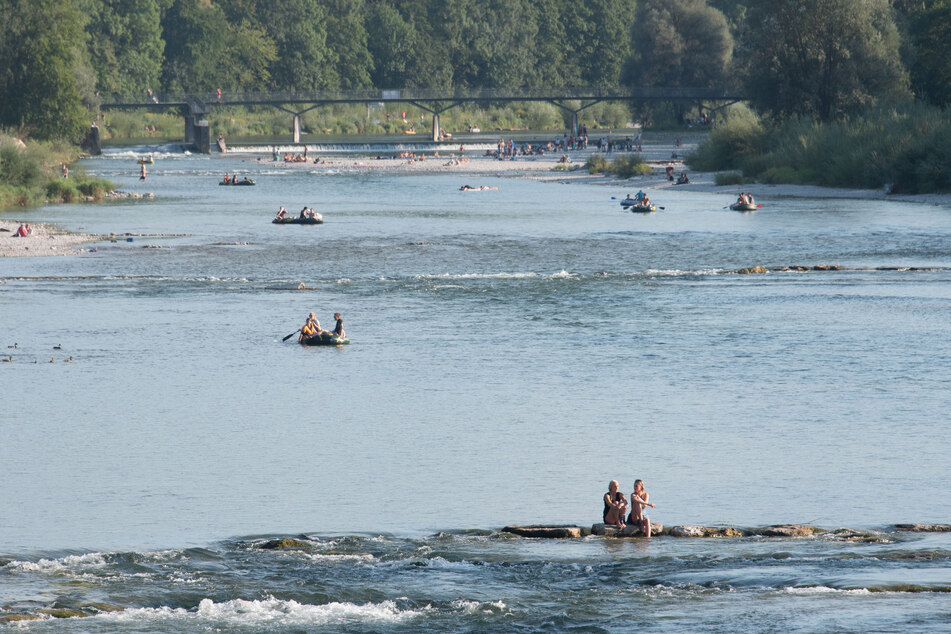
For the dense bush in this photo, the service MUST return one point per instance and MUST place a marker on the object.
(907, 146)
(624, 166)
(62, 190)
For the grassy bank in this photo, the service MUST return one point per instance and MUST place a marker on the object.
(30, 173)
(908, 147)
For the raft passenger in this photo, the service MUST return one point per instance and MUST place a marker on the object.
(338, 329)
(310, 328)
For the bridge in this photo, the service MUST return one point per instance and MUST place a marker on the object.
(195, 106)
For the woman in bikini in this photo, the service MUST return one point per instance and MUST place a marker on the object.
(639, 501)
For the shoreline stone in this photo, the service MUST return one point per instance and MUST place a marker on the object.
(630, 530)
(286, 543)
(923, 528)
(545, 531)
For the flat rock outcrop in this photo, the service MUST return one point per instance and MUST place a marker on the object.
(286, 543)
(787, 530)
(924, 528)
(630, 530)
(706, 531)
(545, 532)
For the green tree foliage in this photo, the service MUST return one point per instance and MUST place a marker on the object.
(196, 36)
(598, 35)
(41, 60)
(299, 30)
(392, 41)
(347, 43)
(680, 43)
(931, 72)
(822, 58)
(125, 44)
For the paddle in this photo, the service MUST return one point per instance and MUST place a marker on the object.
(291, 335)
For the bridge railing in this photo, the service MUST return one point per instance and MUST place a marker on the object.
(647, 93)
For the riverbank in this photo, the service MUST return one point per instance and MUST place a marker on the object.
(549, 167)
(46, 240)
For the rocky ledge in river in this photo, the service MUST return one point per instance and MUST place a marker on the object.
(777, 530)
(923, 528)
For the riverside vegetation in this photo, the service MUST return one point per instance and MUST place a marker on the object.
(30, 174)
(906, 147)
(861, 114)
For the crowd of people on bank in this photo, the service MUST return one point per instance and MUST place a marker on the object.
(616, 507)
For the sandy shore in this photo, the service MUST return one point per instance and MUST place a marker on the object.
(474, 170)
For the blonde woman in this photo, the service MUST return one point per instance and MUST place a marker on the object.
(640, 500)
(614, 506)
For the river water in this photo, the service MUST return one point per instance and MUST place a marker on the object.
(512, 351)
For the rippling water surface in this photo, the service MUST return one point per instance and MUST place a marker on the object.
(512, 351)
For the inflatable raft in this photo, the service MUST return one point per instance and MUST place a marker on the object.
(296, 220)
(245, 182)
(641, 208)
(743, 207)
(325, 339)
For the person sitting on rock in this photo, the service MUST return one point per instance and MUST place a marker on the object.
(615, 505)
(639, 501)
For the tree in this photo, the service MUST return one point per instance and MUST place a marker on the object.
(931, 72)
(299, 30)
(680, 43)
(41, 59)
(125, 44)
(196, 40)
(392, 42)
(347, 44)
(821, 58)
(598, 36)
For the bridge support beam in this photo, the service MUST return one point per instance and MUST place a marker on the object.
(295, 128)
(436, 130)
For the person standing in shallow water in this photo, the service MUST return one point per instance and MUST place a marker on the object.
(639, 501)
(614, 506)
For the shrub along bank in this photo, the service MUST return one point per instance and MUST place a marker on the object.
(30, 173)
(908, 147)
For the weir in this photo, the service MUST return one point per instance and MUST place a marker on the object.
(196, 106)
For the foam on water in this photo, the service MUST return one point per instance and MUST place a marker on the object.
(267, 613)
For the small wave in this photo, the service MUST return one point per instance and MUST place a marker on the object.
(680, 273)
(478, 607)
(268, 613)
(69, 563)
(812, 590)
(355, 557)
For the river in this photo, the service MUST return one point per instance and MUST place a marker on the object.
(511, 352)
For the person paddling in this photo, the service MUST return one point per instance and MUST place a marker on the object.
(310, 328)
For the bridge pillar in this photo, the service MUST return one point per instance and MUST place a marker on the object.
(295, 128)
(202, 137)
(189, 128)
(436, 130)
(574, 124)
